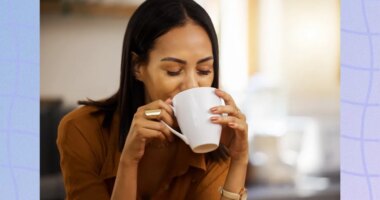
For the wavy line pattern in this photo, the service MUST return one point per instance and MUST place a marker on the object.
(352, 189)
(19, 120)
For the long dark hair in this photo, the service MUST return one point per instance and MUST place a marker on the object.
(152, 19)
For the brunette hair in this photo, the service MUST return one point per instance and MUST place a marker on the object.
(152, 19)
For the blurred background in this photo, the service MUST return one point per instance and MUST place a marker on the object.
(278, 58)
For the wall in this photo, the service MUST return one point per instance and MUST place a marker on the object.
(80, 56)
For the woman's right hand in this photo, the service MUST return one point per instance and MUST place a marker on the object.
(144, 129)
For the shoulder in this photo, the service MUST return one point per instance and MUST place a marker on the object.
(81, 114)
(82, 147)
(80, 124)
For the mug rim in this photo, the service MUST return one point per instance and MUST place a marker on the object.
(191, 89)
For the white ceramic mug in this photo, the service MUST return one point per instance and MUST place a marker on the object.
(192, 110)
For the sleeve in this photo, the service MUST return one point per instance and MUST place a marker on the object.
(208, 185)
(79, 165)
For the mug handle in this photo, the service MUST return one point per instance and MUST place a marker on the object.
(180, 135)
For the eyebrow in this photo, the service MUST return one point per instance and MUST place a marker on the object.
(172, 59)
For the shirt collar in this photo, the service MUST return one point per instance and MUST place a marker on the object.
(186, 158)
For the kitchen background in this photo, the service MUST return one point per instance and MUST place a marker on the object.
(279, 59)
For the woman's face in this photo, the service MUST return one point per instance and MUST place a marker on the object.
(180, 59)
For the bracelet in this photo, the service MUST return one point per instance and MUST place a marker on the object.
(242, 195)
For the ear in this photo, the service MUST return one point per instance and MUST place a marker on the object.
(137, 67)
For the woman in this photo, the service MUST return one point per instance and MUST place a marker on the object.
(112, 149)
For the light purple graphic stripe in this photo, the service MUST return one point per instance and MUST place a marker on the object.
(359, 174)
(360, 139)
(16, 96)
(359, 33)
(346, 101)
(11, 61)
(20, 167)
(22, 132)
(11, 111)
(346, 66)
(19, 43)
(369, 90)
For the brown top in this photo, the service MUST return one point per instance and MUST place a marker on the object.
(90, 158)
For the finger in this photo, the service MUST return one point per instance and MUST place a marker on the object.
(230, 121)
(169, 135)
(167, 114)
(159, 104)
(241, 127)
(158, 126)
(230, 110)
(152, 134)
(163, 105)
(159, 115)
(224, 120)
(152, 114)
(169, 101)
(226, 97)
(167, 118)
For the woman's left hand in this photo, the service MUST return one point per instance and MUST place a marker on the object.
(235, 128)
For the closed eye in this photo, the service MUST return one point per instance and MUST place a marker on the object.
(204, 72)
(173, 73)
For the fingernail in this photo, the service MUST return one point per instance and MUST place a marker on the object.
(214, 118)
(231, 124)
(213, 109)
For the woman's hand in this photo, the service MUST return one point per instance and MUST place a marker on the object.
(235, 128)
(146, 128)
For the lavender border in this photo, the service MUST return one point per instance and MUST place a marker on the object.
(19, 99)
(360, 99)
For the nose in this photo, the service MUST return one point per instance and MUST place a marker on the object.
(190, 81)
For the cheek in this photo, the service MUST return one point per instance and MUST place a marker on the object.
(206, 81)
(165, 84)
(161, 89)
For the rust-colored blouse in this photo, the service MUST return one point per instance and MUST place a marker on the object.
(90, 158)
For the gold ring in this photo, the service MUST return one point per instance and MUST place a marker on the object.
(152, 113)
